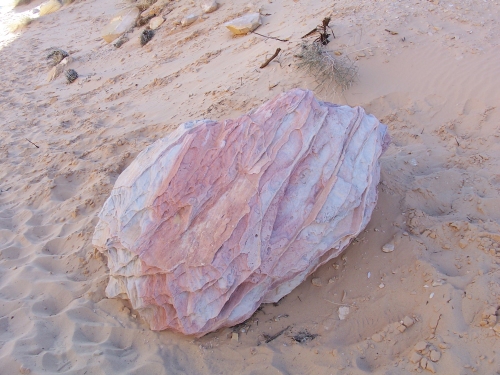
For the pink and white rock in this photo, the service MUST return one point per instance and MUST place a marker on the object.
(218, 217)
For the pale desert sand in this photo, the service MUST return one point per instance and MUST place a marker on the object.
(438, 91)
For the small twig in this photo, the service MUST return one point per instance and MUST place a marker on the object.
(278, 50)
(32, 143)
(391, 32)
(339, 304)
(273, 337)
(270, 37)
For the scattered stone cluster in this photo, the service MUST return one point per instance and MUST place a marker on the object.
(425, 355)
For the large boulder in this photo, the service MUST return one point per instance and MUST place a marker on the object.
(218, 217)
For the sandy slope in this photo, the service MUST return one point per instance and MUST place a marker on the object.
(439, 199)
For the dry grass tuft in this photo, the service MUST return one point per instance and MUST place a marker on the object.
(20, 24)
(50, 6)
(329, 71)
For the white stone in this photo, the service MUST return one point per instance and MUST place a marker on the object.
(189, 19)
(156, 22)
(316, 282)
(122, 22)
(388, 247)
(343, 312)
(245, 24)
(208, 6)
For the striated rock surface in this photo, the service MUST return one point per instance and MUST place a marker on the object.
(218, 217)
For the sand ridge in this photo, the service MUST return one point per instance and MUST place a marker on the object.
(439, 197)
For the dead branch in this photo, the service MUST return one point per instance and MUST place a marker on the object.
(278, 50)
(270, 37)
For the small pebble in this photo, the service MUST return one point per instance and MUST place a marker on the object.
(343, 312)
(71, 75)
(189, 19)
(423, 362)
(317, 281)
(381, 285)
(443, 345)
(415, 357)
(377, 337)
(24, 370)
(407, 321)
(421, 345)
(388, 247)
(146, 36)
(431, 367)
(234, 336)
(438, 282)
(435, 355)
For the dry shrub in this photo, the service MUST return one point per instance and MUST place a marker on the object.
(329, 70)
(50, 6)
(20, 23)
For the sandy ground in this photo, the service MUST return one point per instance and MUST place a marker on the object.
(437, 90)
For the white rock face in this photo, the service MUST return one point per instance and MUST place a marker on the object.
(120, 24)
(209, 6)
(245, 24)
(218, 217)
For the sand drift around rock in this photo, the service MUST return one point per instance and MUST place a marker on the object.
(218, 217)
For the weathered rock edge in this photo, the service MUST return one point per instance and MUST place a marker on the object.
(218, 217)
